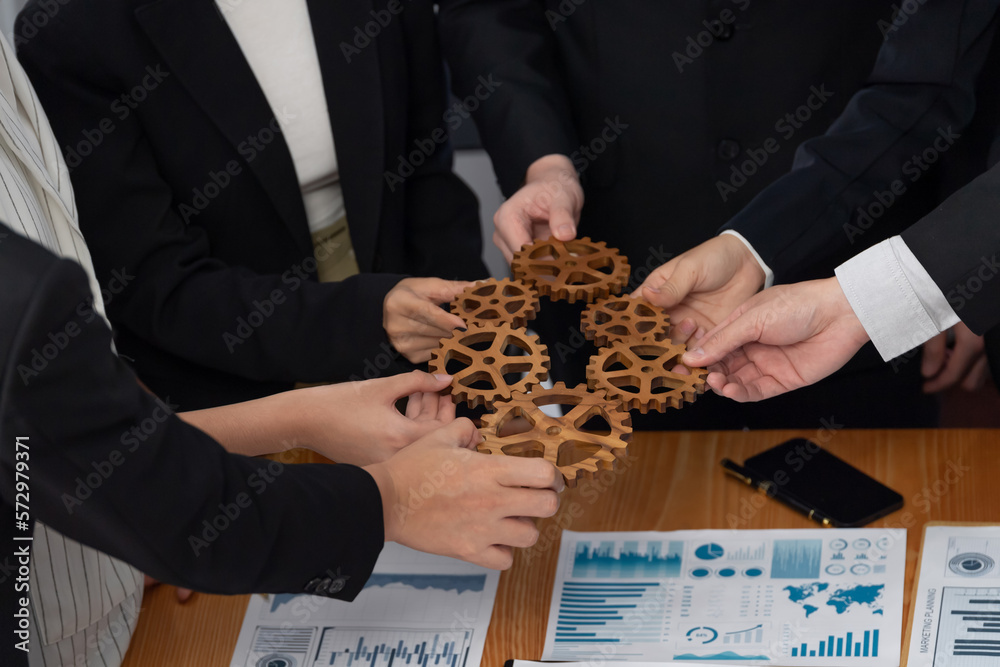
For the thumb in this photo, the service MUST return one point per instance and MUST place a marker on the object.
(439, 290)
(415, 382)
(461, 433)
(723, 340)
(562, 222)
(671, 291)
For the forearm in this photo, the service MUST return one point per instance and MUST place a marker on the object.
(254, 428)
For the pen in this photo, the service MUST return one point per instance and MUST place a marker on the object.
(747, 477)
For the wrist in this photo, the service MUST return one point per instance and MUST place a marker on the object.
(841, 310)
(554, 166)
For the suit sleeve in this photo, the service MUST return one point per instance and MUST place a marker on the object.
(113, 468)
(959, 246)
(919, 97)
(503, 55)
(179, 297)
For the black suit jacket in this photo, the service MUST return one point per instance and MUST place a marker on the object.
(687, 109)
(187, 194)
(108, 466)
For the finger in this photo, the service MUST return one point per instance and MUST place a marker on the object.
(461, 433)
(656, 278)
(511, 223)
(518, 532)
(726, 340)
(956, 366)
(184, 594)
(522, 502)
(495, 557)
(431, 319)
(934, 355)
(504, 248)
(683, 332)
(446, 409)
(532, 473)
(562, 221)
(428, 406)
(414, 382)
(674, 290)
(412, 406)
(441, 291)
(978, 375)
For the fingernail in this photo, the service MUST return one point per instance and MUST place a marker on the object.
(687, 326)
(442, 377)
(694, 354)
(566, 230)
(654, 290)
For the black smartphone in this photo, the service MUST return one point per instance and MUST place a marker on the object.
(817, 483)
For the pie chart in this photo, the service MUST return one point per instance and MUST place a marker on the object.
(709, 551)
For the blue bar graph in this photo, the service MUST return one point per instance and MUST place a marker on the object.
(796, 559)
(391, 648)
(844, 647)
(594, 612)
(628, 560)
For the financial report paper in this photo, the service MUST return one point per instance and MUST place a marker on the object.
(417, 609)
(956, 606)
(753, 597)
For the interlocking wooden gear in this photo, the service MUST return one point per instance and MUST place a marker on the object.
(569, 442)
(479, 359)
(572, 271)
(621, 318)
(641, 375)
(497, 301)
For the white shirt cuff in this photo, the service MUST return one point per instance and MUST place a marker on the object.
(768, 273)
(896, 300)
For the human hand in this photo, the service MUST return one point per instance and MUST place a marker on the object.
(782, 339)
(358, 423)
(548, 204)
(965, 362)
(412, 319)
(701, 287)
(441, 496)
(183, 594)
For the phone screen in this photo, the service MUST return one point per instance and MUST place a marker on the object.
(814, 478)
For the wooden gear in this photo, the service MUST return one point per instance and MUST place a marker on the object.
(497, 301)
(482, 354)
(641, 375)
(572, 271)
(577, 452)
(621, 318)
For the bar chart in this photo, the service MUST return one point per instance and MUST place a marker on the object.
(374, 648)
(969, 629)
(850, 645)
(628, 559)
(796, 559)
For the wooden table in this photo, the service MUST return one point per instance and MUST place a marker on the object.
(673, 482)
